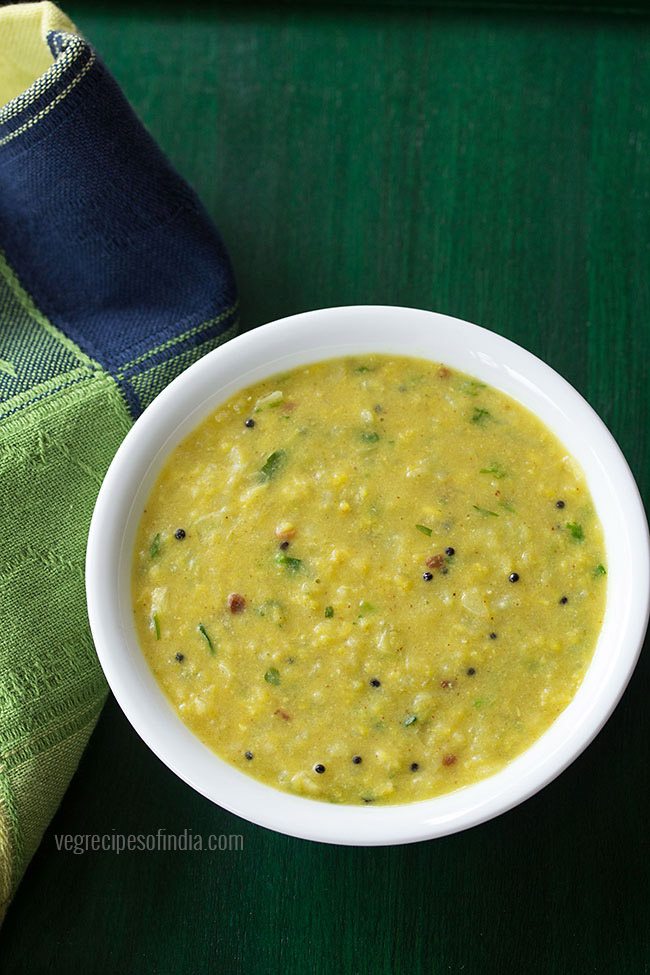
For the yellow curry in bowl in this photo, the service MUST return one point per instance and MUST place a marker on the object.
(369, 580)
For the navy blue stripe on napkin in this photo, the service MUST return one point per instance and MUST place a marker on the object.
(107, 239)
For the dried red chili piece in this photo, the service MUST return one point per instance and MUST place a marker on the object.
(236, 603)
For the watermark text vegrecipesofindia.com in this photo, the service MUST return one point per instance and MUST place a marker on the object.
(159, 842)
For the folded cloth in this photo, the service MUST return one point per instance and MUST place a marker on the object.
(112, 280)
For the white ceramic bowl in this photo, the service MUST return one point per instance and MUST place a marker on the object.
(322, 335)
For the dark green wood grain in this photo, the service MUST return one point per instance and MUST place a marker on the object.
(490, 166)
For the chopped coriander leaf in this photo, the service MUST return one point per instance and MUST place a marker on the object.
(480, 415)
(425, 530)
(409, 720)
(485, 511)
(156, 625)
(206, 636)
(363, 369)
(329, 612)
(291, 564)
(496, 470)
(154, 548)
(365, 607)
(471, 387)
(272, 676)
(370, 437)
(272, 465)
(576, 531)
(600, 570)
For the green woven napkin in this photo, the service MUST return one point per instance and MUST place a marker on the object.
(112, 280)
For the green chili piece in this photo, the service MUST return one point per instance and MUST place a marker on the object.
(485, 511)
(272, 465)
(206, 636)
(496, 470)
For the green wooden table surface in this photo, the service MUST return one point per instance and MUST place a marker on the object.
(493, 166)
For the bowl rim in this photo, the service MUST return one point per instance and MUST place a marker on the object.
(313, 336)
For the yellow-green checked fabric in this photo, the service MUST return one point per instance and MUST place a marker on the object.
(112, 280)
